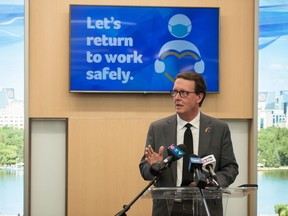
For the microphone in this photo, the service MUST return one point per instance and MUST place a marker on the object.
(174, 153)
(195, 166)
(209, 163)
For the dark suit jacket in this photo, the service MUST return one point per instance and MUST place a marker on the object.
(214, 138)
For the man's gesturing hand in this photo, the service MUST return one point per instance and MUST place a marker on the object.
(151, 156)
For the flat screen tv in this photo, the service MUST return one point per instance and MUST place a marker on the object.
(136, 49)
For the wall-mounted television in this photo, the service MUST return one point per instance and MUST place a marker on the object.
(136, 49)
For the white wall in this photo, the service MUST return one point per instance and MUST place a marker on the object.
(240, 138)
(48, 168)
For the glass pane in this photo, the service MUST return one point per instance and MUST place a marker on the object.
(11, 107)
(272, 108)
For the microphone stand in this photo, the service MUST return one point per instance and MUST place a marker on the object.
(204, 201)
(127, 207)
(201, 183)
(155, 170)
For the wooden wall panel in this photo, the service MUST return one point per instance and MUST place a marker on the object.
(49, 62)
(103, 172)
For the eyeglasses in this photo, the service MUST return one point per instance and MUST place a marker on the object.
(183, 94)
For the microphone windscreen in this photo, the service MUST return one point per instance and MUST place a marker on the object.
(208, 160)
(194, 163)
(182, 147)
(176, 151)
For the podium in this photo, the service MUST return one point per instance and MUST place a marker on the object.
(194, 198)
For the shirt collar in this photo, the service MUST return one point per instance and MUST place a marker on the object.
(195, 122)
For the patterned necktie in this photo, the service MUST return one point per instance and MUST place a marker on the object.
(187, 177)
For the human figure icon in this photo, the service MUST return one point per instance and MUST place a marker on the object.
(179, 26)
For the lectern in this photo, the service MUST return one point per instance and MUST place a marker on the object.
(196, 196)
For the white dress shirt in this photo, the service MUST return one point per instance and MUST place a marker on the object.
(180, 138)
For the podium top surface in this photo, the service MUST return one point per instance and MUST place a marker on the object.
(194, 192)
(238, 191)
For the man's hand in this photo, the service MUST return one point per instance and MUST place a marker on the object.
(151, 156)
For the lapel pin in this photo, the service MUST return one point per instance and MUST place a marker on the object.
(207, 130)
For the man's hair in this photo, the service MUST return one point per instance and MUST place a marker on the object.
(200, 84)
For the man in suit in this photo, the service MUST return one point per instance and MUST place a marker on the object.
(210, 136)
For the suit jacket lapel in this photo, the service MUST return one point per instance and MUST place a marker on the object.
(170, 134)
(204, 134)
